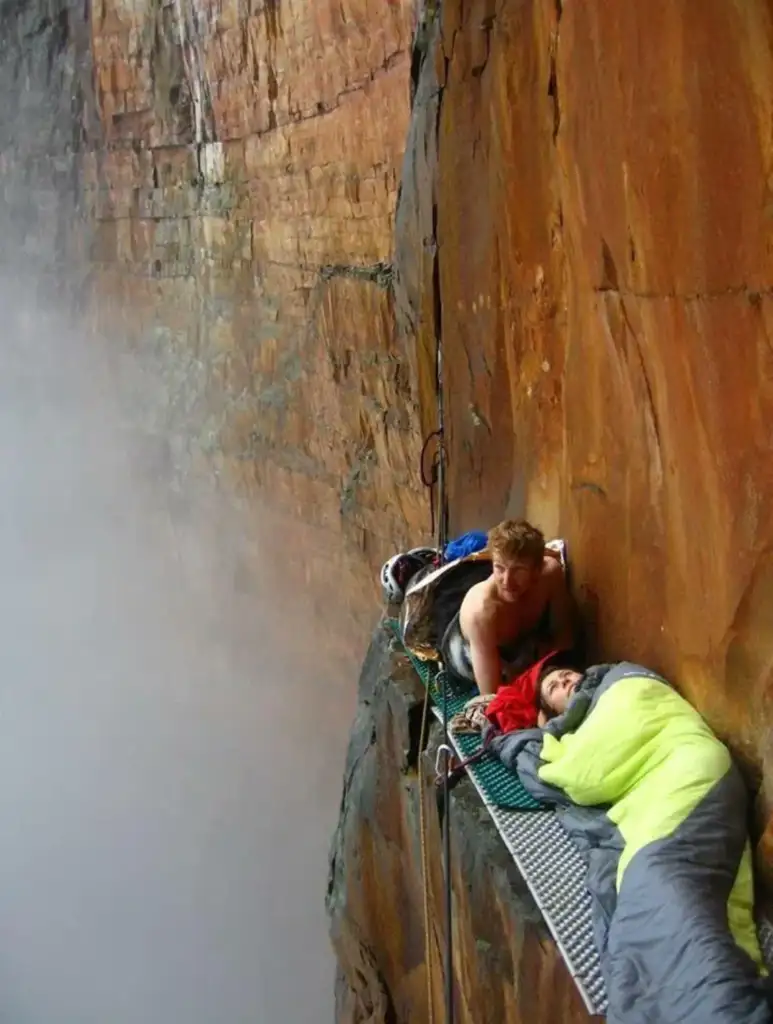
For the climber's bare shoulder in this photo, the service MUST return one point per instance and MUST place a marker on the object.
(478, 612)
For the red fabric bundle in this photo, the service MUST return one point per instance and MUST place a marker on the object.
(516, 704)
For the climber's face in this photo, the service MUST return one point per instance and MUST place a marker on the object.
(514, 579)
(557, 688)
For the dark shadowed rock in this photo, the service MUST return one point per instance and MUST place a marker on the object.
(506, 966)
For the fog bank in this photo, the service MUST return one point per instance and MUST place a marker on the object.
(169, 763)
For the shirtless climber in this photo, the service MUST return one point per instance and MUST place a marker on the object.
(521, 612)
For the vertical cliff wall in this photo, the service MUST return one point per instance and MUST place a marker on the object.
(595, 182)
(585, 220)
(590, 235)
(243, 204)
(217, 181)
(584, 216)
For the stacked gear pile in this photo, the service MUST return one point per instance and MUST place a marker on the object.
(399, 570)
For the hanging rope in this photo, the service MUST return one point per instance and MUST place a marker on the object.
(430, 479)
(449, 951)
(434, 477)
(425, 861)
(430, 476)
(442, 517)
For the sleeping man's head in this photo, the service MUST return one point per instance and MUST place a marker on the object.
(556, 687)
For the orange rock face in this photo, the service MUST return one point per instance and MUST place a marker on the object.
(244, 209)
(601, 190)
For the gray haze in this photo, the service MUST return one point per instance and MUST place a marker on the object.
(168, 773)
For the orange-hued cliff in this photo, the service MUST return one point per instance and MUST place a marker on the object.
(285, 202)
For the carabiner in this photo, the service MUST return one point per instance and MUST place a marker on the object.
(444, 748)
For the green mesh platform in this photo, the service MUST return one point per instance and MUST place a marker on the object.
(498, 786)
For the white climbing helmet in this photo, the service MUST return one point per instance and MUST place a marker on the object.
(392, 589)
(400, 568)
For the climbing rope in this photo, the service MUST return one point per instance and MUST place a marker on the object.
(433, 477)
(430, 481)
(425, 860)
(429, 475)
(448, 753)
(442, 541)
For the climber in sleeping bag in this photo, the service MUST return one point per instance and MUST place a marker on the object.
(656, 805)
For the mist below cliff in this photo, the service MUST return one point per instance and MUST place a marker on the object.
(169, 763)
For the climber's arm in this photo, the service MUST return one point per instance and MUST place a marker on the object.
(484, 653)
